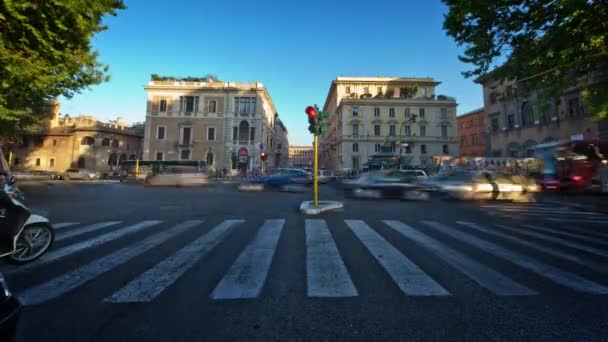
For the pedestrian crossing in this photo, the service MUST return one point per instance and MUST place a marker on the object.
(572, 259)
(550, 213)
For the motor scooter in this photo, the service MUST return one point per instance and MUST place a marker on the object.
(24, 237)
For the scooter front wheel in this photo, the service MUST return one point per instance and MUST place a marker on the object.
(33, 241)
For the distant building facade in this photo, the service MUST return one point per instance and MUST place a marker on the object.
(370, 113)
(472, 133)
(300, 156)
(225, 124)
(517, 120)
(78, 142)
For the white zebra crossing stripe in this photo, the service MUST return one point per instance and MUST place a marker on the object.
(153, 282)
(64, 225)
(574, 220)
(69, 281)
(556, 240)
(551, 251)
(579, 215)
(91, 243)
(83, 230)
(551, 211)
(484, 276)
(247, 275)
(409, 277)
(568, 234)
(562, 277)
(326, 274)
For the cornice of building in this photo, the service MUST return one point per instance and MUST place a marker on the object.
(396, 102)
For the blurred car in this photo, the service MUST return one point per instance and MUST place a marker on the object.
(390, 185)
(418, 174)
(79, 174)
(468, 185)
(282, 177)
(178, 176)
(33, 175)
(10, 310)
(325, 176)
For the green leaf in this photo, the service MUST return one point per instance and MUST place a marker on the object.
(45, 52)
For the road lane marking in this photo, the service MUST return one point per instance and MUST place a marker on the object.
(551, 251)
(568, 234)
(153, 282)
(559, 241)
(91, 243)
(84, 230)
(557, 275)
(576, 220)
(327, 275)
(67, 282)
(407, 275)
(481, 274)
(247, 275)
(63, 225)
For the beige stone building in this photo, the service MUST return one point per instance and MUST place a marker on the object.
(78, 142)
(300, 156)
(223, 123)
(517, 120)
(373, 116)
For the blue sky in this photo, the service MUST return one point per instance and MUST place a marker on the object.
(296, 48)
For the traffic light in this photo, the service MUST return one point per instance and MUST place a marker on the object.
(263, 156)
(312, 119)
(317, 120)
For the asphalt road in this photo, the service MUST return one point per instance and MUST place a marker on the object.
(134, 263)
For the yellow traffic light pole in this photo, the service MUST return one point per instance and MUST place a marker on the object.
(10, 159)
(315, 167)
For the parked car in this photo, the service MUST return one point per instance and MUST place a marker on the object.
(10, 310)
(79, 174)
(33, 175)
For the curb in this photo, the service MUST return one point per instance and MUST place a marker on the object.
(308, 208)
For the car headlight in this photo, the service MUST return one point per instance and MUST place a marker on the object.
(484, 187)
(6, 292)
(517, 188)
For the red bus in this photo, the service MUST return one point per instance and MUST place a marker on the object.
(572, 165)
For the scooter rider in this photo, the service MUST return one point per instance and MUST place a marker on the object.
(12, 217)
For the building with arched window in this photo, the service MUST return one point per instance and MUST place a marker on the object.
(78, 142)
(517, 118)
(225, 124)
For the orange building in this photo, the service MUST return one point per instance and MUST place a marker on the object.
(471, 133)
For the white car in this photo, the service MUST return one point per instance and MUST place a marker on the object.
(419, 174)
(325, 176)
(79, 174)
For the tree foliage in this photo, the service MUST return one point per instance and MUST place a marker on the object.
(45, 52)
(551, 44)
